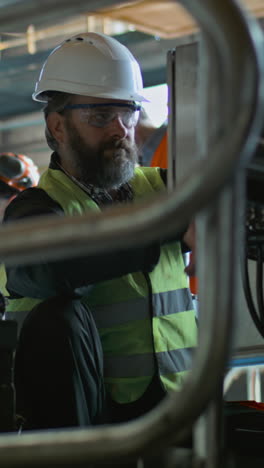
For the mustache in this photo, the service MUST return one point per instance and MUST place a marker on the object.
(119, 144)
(119, 148)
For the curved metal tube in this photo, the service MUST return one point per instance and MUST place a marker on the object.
(236, 47)
(241, 63)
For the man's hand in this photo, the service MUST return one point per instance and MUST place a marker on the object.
(189, 239)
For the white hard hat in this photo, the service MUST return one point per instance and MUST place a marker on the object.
(91, 64)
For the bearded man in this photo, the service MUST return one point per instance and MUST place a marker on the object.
(108, 334)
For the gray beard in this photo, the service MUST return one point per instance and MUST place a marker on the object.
(108, 167)
(112, 176)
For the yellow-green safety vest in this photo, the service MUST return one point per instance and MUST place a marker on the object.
(141, 333)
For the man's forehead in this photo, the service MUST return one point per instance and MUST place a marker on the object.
(96, 100)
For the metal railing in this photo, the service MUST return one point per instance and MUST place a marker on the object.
(234, 44)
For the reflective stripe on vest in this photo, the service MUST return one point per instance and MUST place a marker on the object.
(25, 304)
(170, 301)
(141, 365)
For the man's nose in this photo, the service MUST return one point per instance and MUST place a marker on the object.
(117, 127)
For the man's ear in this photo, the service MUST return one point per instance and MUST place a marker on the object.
(55, 124)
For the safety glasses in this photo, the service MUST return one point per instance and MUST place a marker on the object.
(102, 114)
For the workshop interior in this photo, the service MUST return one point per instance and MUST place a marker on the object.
(210, 58)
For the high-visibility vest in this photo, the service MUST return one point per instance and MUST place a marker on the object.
(3, 291)
(155, 154)
(146, 322)
(3, 280)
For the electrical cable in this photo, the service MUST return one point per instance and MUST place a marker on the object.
(259, 283)
(250, 303)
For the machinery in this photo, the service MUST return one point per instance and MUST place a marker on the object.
(255, 235)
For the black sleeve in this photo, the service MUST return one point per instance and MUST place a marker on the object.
(67, 276)
(31, 202)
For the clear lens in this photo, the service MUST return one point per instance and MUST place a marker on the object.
(103, 116)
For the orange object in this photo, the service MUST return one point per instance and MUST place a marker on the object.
(252, 404)
(194, 285)
(193, 282)
(160, 158)
(20, 176)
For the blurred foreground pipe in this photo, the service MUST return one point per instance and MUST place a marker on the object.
(235, 42)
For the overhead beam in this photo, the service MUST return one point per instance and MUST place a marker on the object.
(16, 15)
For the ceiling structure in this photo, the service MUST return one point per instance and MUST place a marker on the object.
(30, 29)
